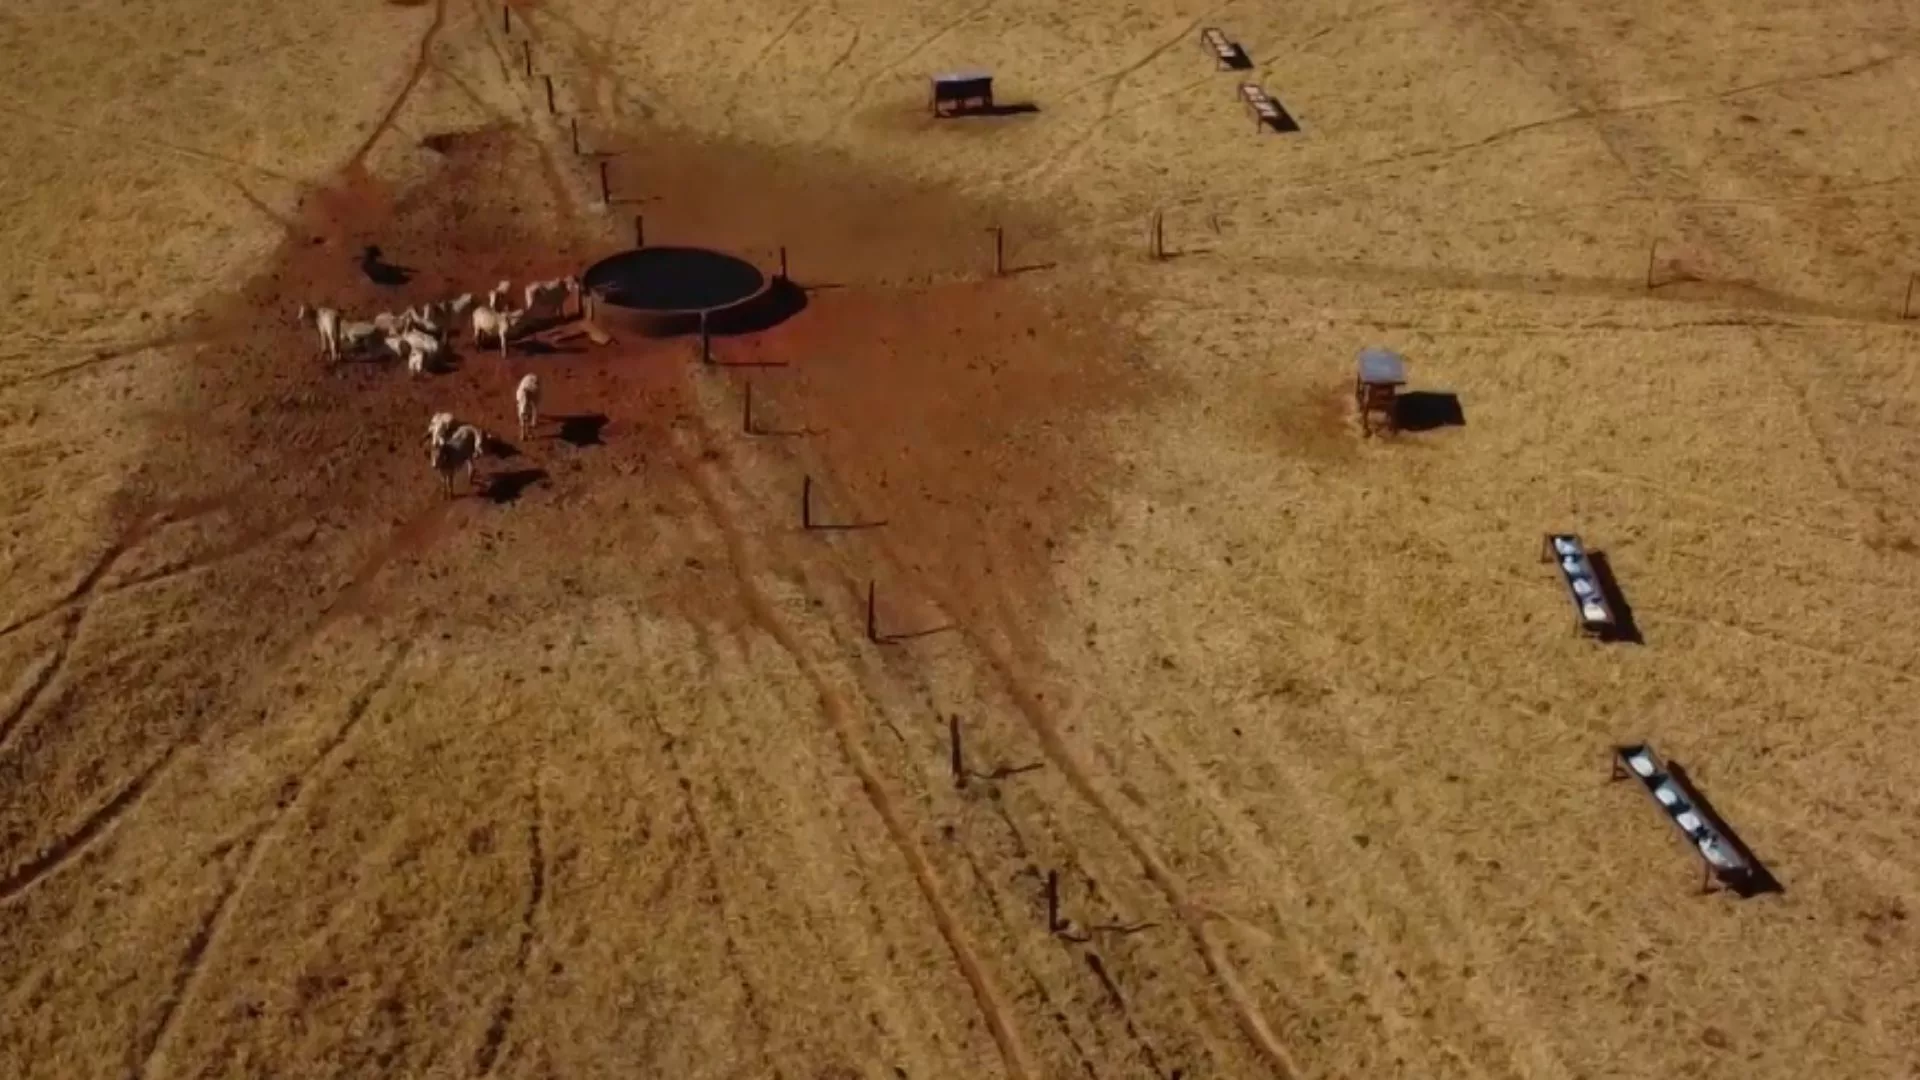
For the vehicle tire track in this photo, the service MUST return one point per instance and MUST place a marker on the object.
(51, 667)
(1061, 160)
(79, 599)
(187, 980)
(760, 54)
(987, 997)
(497, 1029)
(1246, 1011)
(866, 84)
(54, 856)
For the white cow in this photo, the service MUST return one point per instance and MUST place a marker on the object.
(458, 306)
(490, 322)
(388, 323)
(438, 429)
(501, 292)
(398, 346)
(526, 399)
(425, 318)
(423, 344)
(459, 451)
(327, 322)
(355, 336)
(556, 292)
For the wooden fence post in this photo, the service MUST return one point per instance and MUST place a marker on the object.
(606, 192)
(573, 128)
(526, 50)
(806, 502)
(1906, 306)
(956, 760)
(552, 109)
(873, 623)
(506, 19)
(1651, 248)
(1053, 901)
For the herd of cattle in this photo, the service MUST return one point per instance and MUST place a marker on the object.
(418, 336)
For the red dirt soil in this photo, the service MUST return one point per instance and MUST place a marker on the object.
(956, 409)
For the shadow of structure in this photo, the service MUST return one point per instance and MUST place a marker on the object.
(1282, 120)
(380, 271)
(507, 486)
(1423, 410)
(781, 301)
(1011, 108)
(1625, 627)
(1758, 880)
(582, 430)
(1237, 58)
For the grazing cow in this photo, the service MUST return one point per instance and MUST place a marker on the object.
(526, 399)
(459, 451)
(388, 323)
(327, 322)
(490, 322)
(356, 336)
(459, 305)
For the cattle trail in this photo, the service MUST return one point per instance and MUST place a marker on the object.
(420, 65)
(1013, 1053)
(48, 669)
(489, 1053)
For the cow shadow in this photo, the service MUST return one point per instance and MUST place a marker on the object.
(582, 430)
(380, 271)
(508, 486)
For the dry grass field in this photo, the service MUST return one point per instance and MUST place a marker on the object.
(593, 772)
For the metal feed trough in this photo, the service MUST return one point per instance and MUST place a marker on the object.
(1721, 858)
(961, 91)
(1591, 611)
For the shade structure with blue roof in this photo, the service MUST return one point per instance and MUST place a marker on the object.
(1382, 367)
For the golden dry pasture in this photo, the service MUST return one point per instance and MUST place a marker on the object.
(307, 771)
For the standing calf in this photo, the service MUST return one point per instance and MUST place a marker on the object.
(526, 398)
(456, 453)
(327, 322)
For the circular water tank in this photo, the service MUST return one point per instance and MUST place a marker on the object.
(663, 291)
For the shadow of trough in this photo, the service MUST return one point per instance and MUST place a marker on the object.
(582, 430)
(1759, 880)
(1011, 108)
(1625, 627)
(497, 447)
(1424, 410)
(1282, 121)
(508, 486)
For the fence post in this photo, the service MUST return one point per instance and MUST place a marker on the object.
(806, 502)
(526, 50)
(873, 624)
(746, 410)
(1053, 901)
(606, 192)
(551, 107)
(955, 759)
(1651, 248)
(506, 19)
(1906, 306)
(639, 230)
(573, 127)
